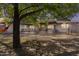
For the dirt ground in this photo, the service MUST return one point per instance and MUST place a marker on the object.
(41, 45)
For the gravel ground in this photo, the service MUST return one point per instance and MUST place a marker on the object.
(5, 51)
(52, 48)
(40, 45)
(44, 48)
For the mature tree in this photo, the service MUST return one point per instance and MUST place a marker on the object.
(59, 11)
(16, 23)
(31, 12)
(16, 27)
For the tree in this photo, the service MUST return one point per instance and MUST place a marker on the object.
(16, 27)
(16, 24)
(54, 8)
(62, 11)
(26, 11)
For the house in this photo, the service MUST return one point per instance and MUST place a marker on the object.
(62, 26)
(75, 23)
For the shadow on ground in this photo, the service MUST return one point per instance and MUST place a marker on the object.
(46, 48)
(68, 53)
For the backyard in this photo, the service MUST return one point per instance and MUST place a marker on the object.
(41, 45)
(49, 29)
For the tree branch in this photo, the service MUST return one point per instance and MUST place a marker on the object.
(26, 8)
(30, 13)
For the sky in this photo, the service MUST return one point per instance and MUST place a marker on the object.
(75, 18)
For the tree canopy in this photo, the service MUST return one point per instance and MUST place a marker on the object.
(60, 11)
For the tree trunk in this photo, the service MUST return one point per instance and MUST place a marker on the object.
(55, 29)
(16, 27)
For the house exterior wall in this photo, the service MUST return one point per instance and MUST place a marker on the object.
(61, 28)
(75, 28)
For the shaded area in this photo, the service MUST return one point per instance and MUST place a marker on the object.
(35, 47)
(20, 52)
(68, 53)
(53, 47)
(6, 50)
(5, 45)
